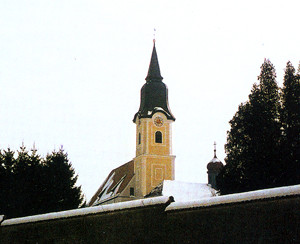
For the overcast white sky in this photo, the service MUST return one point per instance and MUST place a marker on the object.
(71, 74)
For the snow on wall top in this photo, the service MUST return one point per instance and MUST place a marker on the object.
(235, 198)
(89, 210)
(204, 202)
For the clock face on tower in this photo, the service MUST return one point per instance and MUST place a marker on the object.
(158, 121)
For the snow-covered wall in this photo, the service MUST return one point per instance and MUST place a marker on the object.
(265, 216)
(89, 211)
(237, 198)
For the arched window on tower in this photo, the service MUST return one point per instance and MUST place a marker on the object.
(139, 138)
(158, 137)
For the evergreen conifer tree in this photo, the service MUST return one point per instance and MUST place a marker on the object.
(31, 185)
(290, 117)
(252, 148)
(7, 162)
(63, 194)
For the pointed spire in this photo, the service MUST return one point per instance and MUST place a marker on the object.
(154, 71)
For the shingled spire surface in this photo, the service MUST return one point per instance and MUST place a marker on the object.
(154, 70)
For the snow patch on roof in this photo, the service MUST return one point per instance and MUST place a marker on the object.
(186, 191)
(235, 198)
(157, 109)
(215, 160)
(104, 194)
(114, 184)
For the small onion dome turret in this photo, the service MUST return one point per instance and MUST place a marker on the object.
(214, 168)
(215, 164)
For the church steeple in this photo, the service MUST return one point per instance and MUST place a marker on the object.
(154, 161)
(154, 93)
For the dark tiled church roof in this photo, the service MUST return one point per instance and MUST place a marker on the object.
(114, 184)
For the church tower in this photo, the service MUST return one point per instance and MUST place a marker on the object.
(154, 161)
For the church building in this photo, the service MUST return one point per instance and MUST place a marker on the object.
(154, 161)
(152, 171)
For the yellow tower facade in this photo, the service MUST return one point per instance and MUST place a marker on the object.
(154, 161)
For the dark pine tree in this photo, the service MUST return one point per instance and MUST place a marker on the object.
(61, 179)
(31, 185)
(7, 162)
(252, 148)
(290, 118)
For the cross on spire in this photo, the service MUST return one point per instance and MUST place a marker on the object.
(154, 33)
(215, 149)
